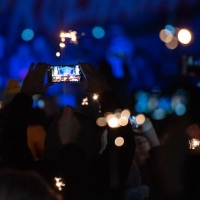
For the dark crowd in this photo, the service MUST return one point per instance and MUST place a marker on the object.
(64, 155)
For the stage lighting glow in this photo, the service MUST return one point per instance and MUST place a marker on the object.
(98, 32)
(184, 36)
(27, 34)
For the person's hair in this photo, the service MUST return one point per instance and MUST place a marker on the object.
(26, 185)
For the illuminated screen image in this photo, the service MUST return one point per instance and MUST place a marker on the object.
(65, 73)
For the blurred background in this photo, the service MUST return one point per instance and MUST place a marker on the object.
(148, 50)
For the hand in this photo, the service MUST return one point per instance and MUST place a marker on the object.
(95, 81)
(34, 80)
(68, 126)
(104, 141)
(150, 133)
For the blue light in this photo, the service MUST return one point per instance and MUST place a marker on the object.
(158, 114)
(141, 107)
(180, 109)
(67, 100)
(170, 28)
(98, 32)
(27, 34)
(164, 103)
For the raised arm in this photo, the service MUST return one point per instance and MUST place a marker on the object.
(115, 162)
(13, 144)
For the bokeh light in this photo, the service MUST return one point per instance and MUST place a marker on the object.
(98, 32)
(58, 54)
(172, 44)
(180, 109)
(113, 121)
(158, 114)
(140, 119)
(101, 121)
(95, 96)
(119, 141)
(194, 143)
(27, 34)
(62, 45)
(41, 103)
(184, 36)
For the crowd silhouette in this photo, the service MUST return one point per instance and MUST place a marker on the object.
(37, 151)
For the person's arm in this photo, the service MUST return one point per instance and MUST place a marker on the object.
(13, 144)
(115, 162)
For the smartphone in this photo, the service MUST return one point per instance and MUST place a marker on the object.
(64, 73)
(132, 120)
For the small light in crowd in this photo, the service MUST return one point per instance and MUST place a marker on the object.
(194, 143)
(184, 36)
(119, 141)
(95, 96)
(59, 183)
(85, 101)
(62, 45)
(27, 34)
(71, 35)
(101, 121)
(82, 34)
(140, 119)
(58, 54)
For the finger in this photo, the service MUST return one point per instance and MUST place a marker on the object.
(90, 71)
(47, 85)
(86, 69)
(41, 69)
(31, 67)
(67, 113)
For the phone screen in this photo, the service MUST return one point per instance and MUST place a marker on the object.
(64, 73)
